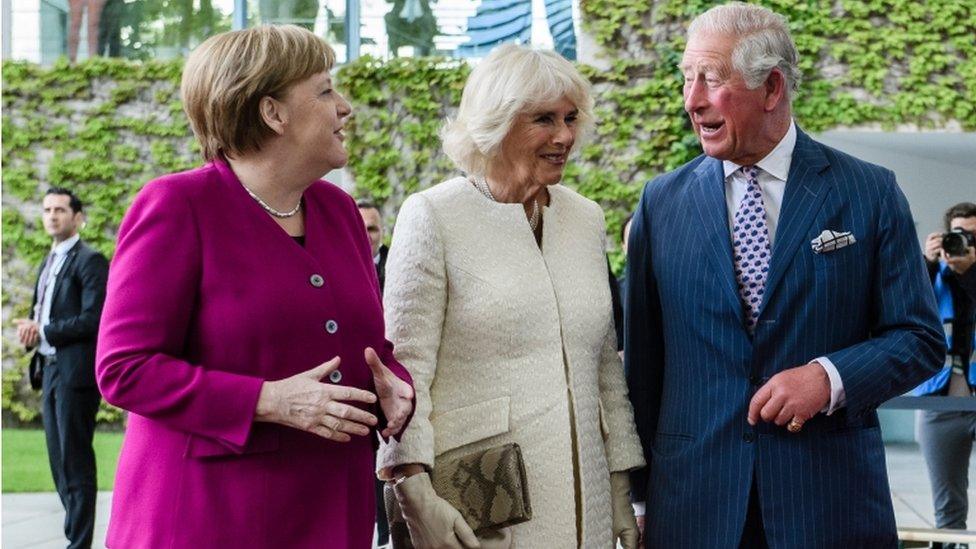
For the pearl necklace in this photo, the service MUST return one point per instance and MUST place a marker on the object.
(482, 185)
(269, 209)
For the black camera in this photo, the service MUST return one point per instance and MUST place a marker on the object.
(957, 240)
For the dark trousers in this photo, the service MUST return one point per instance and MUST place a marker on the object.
(753, 534)
(69, 426)
(946, 439)
(382, 524)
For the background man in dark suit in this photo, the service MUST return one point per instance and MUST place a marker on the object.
(63, 325)
(776, 295)
(617, 287)
(374, 228)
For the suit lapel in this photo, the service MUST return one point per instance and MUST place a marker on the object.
(63, 271)
(37, 282)
(806, 189)
(709, 197)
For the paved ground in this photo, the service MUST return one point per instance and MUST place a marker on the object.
(34, 520)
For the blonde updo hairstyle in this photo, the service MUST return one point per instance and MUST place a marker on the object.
(512, 80)
(226, 76)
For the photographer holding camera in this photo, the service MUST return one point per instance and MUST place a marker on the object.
(946, 438)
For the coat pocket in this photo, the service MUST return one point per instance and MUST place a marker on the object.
(262, 439)
(668, 444)
(834, 259)
(461, 426)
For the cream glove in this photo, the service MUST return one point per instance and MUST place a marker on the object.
(432, 521)
(624, 523)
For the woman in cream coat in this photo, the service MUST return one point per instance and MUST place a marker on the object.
(498, 303)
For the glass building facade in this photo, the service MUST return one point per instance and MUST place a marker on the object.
(45, 30)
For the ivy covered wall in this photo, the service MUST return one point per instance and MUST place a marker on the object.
(104, 127)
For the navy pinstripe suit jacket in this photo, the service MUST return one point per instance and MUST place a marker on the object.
(692, 366)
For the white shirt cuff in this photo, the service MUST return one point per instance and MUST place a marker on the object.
(838, 398)
(640, 508)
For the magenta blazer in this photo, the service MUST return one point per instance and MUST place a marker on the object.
(207, 298)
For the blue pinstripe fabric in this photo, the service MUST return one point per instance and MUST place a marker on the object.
(692, 366)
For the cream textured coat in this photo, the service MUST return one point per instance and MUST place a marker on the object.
(510, 343)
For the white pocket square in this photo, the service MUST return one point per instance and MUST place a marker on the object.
(829, 241)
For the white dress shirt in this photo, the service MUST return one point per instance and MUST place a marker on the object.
(60, 252)
(773, 169)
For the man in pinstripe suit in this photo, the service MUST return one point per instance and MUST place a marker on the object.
(776, 296)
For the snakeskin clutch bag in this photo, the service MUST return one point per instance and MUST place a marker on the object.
(488, 488)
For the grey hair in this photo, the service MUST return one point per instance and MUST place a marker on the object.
(510, 81)
(764, 42)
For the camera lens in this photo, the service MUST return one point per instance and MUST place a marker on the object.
(954, 243)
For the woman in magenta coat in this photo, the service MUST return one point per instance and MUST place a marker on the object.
(243, 329)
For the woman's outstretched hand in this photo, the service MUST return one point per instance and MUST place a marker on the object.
(396, 395)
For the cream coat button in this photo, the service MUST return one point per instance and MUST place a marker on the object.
(332, 326)
(316, 280)
(335, 377)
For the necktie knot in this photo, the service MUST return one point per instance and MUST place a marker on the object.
(751, 173)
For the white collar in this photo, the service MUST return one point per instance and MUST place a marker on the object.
(777, 162)
(62, 247)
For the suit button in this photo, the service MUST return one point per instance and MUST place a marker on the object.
(332, 326)
(748, 436)
(755, 380)
(335, 376)
(316, 280)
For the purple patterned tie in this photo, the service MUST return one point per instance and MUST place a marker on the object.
(750, 247)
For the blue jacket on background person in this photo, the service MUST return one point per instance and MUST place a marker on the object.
(943, 281)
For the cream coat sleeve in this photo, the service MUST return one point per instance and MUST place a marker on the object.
(617, 416)
(414, 300)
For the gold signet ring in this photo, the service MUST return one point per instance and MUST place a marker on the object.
(794, 425)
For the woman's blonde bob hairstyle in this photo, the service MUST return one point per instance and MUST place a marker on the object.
(226, 76)
(512, 80)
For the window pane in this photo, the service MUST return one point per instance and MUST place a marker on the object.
(159, 29)
(398, 28)
(465, 28)
(325, 18)
(54, 18)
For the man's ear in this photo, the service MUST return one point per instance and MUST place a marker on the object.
(273, 113)
(775, 87)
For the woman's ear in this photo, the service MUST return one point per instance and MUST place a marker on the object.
(274, 113)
